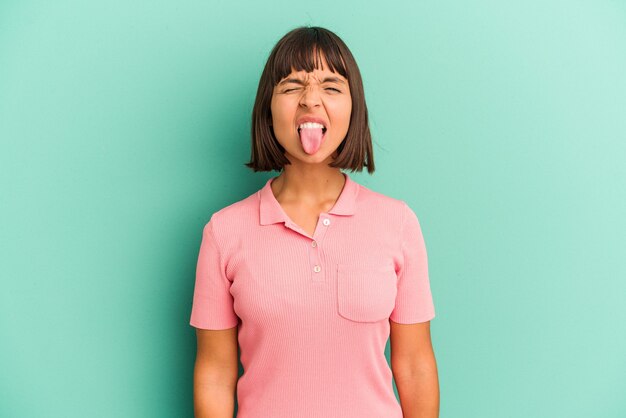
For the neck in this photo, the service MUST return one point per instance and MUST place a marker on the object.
(310, 186)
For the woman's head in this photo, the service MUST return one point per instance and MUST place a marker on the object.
(311, 72)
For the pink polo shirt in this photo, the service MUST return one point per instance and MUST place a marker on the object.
(313, 311)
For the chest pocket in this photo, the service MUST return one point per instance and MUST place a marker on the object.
(366, 293)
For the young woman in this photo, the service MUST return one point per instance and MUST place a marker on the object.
(310, 275)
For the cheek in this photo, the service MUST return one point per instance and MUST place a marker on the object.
(281, 111)
(343, 111)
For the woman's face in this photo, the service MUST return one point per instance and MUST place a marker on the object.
(321, 94)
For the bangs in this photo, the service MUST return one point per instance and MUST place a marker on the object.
(304, 52)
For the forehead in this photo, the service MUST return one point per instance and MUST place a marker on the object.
(317, 75)
(320, 73)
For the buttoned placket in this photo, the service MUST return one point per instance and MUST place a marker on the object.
(315, 248)
(271, 212)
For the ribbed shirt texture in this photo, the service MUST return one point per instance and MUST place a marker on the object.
(313, 311)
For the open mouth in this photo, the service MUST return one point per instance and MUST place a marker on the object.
(323, 131)
(312, 136)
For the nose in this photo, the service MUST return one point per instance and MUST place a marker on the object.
(310, 96)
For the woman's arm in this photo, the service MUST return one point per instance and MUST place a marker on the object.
(415, 369)
(216, 372)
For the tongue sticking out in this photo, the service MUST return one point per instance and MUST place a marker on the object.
(311, 139)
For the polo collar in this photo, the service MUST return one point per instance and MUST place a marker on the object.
(271, 212)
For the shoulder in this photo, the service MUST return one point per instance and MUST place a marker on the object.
(372, 200)
(394, 213)
(236, 216)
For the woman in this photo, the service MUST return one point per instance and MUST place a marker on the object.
(312, 274)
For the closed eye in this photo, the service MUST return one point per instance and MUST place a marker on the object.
(329, 88)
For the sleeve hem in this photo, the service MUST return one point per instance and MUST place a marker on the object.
(213, 327)
(407, 321)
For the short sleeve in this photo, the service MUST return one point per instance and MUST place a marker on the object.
(414, 302)
(212, 306)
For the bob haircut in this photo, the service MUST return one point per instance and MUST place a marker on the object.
(300, 49)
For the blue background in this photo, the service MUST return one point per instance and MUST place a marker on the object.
(124, 125)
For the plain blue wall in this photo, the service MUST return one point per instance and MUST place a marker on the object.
(124, 125)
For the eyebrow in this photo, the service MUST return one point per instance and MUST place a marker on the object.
(298, 81)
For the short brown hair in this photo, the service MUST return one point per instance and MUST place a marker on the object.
(300, 49)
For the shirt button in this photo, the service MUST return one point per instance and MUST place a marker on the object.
(313, 244)
(317, 269)
(326, 221)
